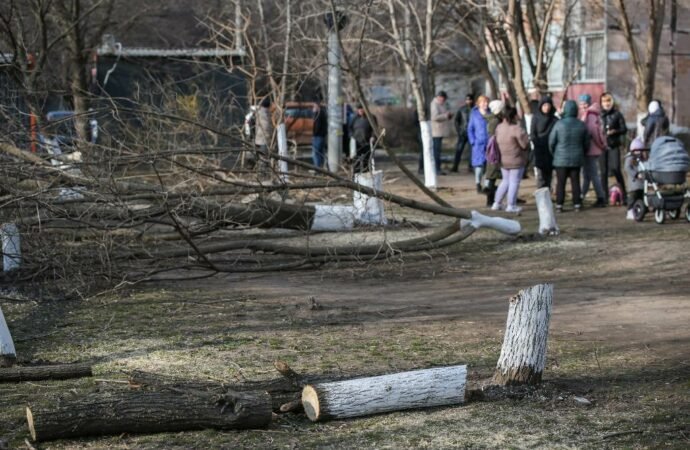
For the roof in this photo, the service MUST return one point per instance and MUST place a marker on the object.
(150, 52)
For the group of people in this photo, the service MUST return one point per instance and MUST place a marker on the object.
(584, 138)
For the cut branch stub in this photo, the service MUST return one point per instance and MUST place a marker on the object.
(406, 390)
(523, 354)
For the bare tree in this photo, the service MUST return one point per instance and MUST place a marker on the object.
(644, 60)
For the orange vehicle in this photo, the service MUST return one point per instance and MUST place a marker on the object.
(299, 121)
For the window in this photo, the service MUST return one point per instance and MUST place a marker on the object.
(588, 55)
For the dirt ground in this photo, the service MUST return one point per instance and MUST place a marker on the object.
(619, 336)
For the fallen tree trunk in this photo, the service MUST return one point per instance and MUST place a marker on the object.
(406, 390)
(149, 412)
(523, 354)
(281, 390)
(8, 355)
(55, 372)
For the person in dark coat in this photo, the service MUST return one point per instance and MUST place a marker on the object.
(319, 134)
(363, 132)
(543, 122)
(656, 123)
(614, 128)
(568, 143)
(461, 120)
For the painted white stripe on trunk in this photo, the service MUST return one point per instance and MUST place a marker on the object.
(369, 210)
(333, 218)
(429, 166)
(506, 226)
(282, 151)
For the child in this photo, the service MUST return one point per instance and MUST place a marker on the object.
(635, 184)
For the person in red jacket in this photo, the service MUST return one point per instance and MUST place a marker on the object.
(591, 116)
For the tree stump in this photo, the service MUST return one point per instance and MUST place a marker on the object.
(547, 219)
(523, 354)
(8, 355)
(406, 390)
(149, 412)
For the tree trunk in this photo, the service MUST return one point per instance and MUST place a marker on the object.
(8, 355)
(547, 219)
(281, 390)
(35, 373)
(394, 392)
(149, 412)
(523, 354)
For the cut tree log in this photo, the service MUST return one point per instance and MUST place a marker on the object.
(282, 391)
(149, 412)
(406, 390)
(523, 354)
(54, 372)
(8, 355)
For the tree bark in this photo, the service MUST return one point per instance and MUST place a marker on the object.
(149, 412)
(364, 396)
(8, 355)
(55, 372)
(523, 354)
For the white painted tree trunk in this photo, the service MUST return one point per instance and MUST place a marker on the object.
(506, 226)
(428, 155)
(369, 210)
(547, 218)
(8, 355)
(523, 354)
(11, 247)
(282, 151)
(333, 218)
(406, 390)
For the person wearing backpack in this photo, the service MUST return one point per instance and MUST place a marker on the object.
(513, 145)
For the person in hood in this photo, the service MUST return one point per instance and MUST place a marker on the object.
(591, 116)
(543, 122)
(614, 128)
(478, 135)
(655, 124)
(568, 142)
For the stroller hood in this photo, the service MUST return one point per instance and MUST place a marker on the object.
(668, 155)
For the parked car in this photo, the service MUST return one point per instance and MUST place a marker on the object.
(299, 122)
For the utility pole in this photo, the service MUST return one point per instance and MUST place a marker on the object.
(335, 96)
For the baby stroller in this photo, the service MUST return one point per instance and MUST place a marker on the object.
(664, 173)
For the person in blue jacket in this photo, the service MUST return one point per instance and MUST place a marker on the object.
(478, 135)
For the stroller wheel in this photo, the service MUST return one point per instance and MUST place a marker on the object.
(674, 214)
(639, 210)
(659, 216)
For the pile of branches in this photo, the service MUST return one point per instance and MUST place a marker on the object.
(123, 213)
